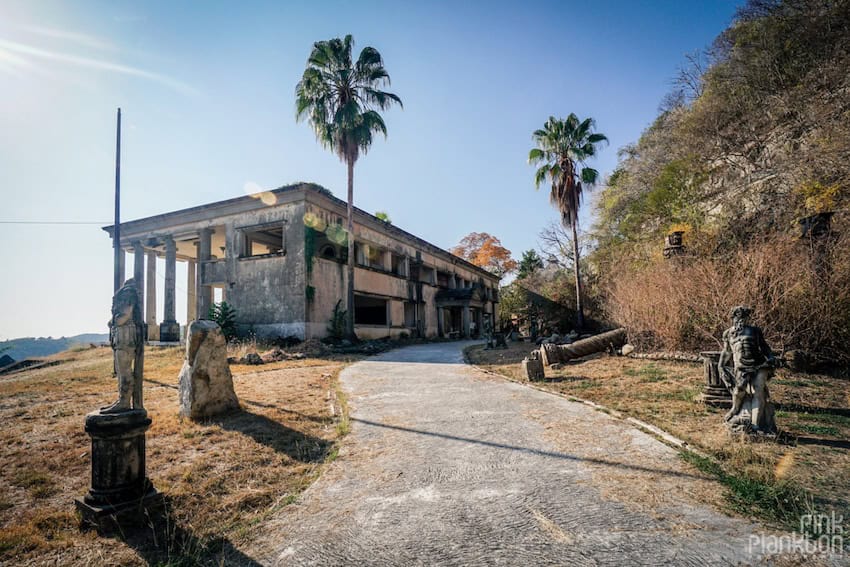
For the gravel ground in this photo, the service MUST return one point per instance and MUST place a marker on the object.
(446, 465)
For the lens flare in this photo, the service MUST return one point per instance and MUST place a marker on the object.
(337, 235)
(784, 465)
(254, 190)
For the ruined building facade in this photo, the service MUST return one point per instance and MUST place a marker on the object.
(279, 258)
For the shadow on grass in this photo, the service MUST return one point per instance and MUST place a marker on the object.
(163, 541)
(163, 384)
(564, 379)
(799, 408)
(291, 442)
(837, 443)
(314, 418)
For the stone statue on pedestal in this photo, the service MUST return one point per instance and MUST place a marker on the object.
(488, 331)
(120, 492)
(126, 335)
(752, 364)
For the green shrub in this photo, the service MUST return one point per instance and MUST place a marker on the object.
(225, 315)
(336, 326)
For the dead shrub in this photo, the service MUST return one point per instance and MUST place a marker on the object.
(800, 293)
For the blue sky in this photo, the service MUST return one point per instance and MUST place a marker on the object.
(206, 89)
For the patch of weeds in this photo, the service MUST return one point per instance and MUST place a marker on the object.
(16, 540)
(824, 417)
(794, 382)
(820, 429)
(585, 384)
(649, 373)
(781, 501)
(54, 525)
(42, 491)
(333, 454)
(343, 426)
(685, 395)
(35, 533)
(37, 483)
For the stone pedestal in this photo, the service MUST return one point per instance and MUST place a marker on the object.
(169, 332)
(532, 367)
(120, 492)
(715, 393)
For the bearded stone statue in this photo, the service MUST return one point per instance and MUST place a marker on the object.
(752, 364)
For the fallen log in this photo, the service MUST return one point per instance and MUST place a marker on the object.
(551, 354)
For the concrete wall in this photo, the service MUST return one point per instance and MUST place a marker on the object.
(269, 293)
(328, 279)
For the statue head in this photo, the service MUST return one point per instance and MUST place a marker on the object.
(741, 316)
(127, 298)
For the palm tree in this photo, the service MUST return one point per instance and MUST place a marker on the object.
(340, 99)
(563, 147)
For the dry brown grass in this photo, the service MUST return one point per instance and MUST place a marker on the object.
(666, 394)
(220, 477)
(801, 297)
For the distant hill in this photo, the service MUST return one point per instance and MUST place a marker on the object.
(27, 347)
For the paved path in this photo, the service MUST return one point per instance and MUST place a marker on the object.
(446, 465)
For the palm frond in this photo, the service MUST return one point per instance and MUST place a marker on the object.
(563, 145)
(536, 155)
(339, 98)
(589, 176)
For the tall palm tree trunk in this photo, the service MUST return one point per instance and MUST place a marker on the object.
(349, 303)
(579, 303)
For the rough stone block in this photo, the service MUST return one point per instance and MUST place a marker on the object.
(533, 368)
(206, 385)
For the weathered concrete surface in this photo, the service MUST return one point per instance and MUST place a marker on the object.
(205, 383)
(448, 466)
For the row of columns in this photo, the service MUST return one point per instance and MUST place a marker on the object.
(199, 297)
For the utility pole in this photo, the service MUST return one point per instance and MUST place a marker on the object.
(116, 237)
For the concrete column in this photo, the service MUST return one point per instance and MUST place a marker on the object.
(150, 298)
(466, 321)
(191, 293)
(121, 266)
(203, 294)
(139, 272)
(169, 329)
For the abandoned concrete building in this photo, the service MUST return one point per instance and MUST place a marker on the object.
(279, 258)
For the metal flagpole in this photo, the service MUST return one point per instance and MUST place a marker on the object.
(116, 238)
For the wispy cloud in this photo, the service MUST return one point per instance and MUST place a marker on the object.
(75, 37)
(102, 65)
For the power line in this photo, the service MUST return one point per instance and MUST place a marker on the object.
(52, 222)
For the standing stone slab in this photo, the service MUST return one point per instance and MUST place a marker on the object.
(206, 385)
(532, 367)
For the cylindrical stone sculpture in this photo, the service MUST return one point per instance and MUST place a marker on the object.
(716, 393)
(550, 354)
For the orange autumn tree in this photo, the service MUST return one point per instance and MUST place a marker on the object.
(485, 251)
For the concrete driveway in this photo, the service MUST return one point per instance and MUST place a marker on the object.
(446, 465)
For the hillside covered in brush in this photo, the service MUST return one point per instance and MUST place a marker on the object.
(754, 138)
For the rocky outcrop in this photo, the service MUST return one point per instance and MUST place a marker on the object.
(206, 385)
